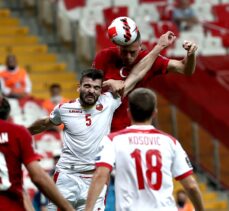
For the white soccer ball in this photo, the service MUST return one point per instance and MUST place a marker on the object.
(123, 31)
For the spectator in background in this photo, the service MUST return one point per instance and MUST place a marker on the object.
(55, 98)
(184, 16)
(14, 80)
(182, 201)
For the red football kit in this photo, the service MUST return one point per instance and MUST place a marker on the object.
(110, 62)
(15, 149)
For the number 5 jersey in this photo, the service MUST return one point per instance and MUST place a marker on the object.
(146, 160)
(84, 128)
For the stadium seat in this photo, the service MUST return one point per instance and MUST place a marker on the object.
(52, 67)
(17, 31)
(98, 3)
(203, 11)
(114, 12)
(29, 49)
(66, 86)
(28, 59)
(19, 40)
(213, 46)
(147, 12)
(4, 13)
(58, 77)
(221, 11)
(9, 22)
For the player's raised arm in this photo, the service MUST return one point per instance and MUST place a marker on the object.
(99, 179)
(144, 65)
(40, 125)
(188, 64)
(191, 187)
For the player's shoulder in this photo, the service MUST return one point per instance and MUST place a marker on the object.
(67, 104)
(165, 135)
(14, 128)
(116, 134)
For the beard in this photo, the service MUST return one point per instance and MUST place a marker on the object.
(88, 99)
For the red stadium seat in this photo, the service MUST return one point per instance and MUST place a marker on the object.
(114, 12)
(102, 40)
(164, 26)
(72, 4)
(221, 11)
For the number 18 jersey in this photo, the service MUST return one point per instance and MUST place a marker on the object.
(146, 161)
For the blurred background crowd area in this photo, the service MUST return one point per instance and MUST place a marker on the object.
(49, 42)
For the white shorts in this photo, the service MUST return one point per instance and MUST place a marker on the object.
(74, 187)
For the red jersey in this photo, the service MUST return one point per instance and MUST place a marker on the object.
(110, 62)
(15, 149)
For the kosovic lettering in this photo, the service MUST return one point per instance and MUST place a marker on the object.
(144, 140)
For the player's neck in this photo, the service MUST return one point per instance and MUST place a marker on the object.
(148, 122)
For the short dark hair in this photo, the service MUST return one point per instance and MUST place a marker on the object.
(142, 103)
(55, 85)
(4, 108)
(91, 73)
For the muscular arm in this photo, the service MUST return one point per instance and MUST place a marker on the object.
(99, 179)
(47, 186)
(188, 64)
(193, 191)
(40, 125)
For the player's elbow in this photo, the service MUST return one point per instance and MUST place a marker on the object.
(192, 187)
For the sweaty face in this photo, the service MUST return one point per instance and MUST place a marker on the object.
(90, 90)
(129, 53)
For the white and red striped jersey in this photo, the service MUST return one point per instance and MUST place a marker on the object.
(83, 131)
(146, 160)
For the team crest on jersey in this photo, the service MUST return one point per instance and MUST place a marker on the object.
(99, 107)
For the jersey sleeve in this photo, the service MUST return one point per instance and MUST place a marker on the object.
(55, 116)
(106, 154)
(114, 101)
(182, 166)
(160, 65)
(26, 145)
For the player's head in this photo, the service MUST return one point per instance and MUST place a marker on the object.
(142, 105)
(55, 93)
(4, 108)
(11, 62)
(130, 52)
(90, 86)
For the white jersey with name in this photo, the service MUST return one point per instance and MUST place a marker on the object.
(83, 131)
(146, 161)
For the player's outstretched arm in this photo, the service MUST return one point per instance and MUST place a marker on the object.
(188, 64)
(99, 179)
(40, 126)
(47, 186)
(191, 187)
(143, 66)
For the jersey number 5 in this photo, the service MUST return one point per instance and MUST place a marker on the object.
(4, 175)
(150, 168)
(88, 119)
